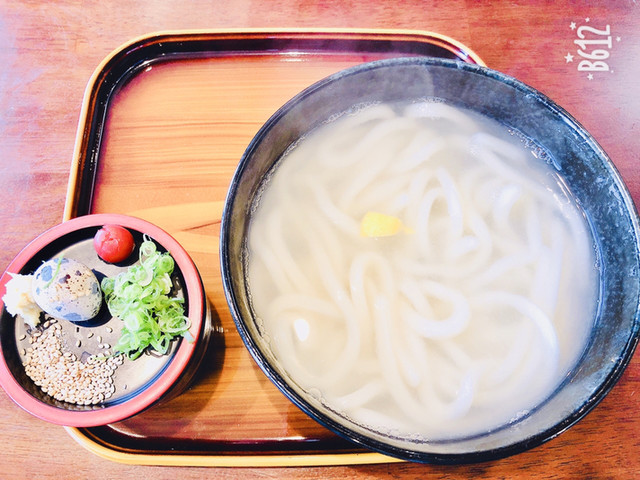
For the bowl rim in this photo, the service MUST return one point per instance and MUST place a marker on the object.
(319, 415)
(171, 373)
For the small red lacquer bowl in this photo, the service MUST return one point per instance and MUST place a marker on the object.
(137, 384)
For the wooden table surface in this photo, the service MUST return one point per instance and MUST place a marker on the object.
(48, 52)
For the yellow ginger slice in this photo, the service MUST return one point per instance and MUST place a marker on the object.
(376, 224)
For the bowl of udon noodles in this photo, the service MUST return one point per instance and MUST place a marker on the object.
(433, 260)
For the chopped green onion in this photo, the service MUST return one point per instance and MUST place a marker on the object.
(55, 274)
(140, 298)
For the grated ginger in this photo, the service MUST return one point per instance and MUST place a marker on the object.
(18, 299)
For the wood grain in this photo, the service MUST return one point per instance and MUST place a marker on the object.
(47, 54)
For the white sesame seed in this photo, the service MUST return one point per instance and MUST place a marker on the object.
(60, 374)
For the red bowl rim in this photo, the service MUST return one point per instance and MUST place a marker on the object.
(173, 371)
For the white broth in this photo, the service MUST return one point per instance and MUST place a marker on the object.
(422, 270)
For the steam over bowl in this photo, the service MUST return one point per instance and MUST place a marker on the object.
(563, 143)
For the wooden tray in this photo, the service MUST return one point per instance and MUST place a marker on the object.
(164, 122)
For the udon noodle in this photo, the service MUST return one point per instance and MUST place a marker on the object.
(462, 320)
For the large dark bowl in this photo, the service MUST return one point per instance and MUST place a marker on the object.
(582, 163)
